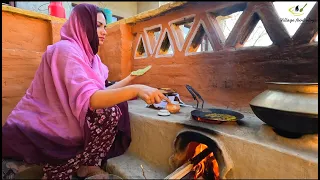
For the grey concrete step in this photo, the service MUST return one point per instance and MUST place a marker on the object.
(128, 166)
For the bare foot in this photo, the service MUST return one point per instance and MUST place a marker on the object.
(86, 171)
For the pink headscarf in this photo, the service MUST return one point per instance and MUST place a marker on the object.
(56, 103)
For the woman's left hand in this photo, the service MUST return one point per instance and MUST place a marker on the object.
(131, 77)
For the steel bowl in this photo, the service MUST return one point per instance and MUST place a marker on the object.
(289, 107)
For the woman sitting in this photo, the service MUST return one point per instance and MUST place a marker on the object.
(69, 121)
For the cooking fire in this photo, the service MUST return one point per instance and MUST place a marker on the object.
(208, 167)
(202, 165)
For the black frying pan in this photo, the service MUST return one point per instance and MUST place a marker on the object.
(200, 114)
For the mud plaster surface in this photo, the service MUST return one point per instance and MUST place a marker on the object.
(254, 149)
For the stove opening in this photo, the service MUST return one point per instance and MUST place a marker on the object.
(196, 156)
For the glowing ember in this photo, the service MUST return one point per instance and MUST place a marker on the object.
(208, 167)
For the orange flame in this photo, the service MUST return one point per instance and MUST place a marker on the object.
(208, 166)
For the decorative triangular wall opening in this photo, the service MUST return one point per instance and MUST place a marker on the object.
(165, 48)
(140, 49)
(224, 19)
(153, 36)
(181, 29)
(227, 23)
(200, 40)
(258, 37)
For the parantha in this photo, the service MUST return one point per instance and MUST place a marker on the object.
(221, 117)
(140, 72)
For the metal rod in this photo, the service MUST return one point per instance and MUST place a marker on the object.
(198, 95)
(193, 94)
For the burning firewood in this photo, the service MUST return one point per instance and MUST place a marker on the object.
(202, 166)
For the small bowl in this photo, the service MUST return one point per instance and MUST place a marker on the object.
(164, 112)
(173, 107)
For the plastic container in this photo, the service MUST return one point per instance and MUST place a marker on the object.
(56, 9)
(108, 13)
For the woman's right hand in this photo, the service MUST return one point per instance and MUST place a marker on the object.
(111, 96)
(150, 95)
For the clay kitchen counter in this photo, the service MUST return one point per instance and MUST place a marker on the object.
(251, 129)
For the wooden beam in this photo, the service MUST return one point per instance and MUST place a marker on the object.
(224, 8)
(230, 8)
(181, 171)
(188, 166)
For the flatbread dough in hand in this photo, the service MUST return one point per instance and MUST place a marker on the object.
(140, 72)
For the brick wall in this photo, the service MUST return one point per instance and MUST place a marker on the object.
(232, 75)
(116, 51)
(24, 40)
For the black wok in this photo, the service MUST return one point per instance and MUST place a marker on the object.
(287, 122)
